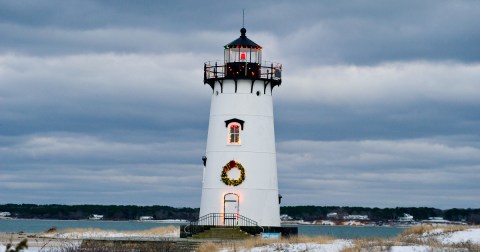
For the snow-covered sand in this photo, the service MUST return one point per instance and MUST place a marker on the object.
(335, 246)
(470, 235)
(2, 248)
(419, 248)
(73, 237)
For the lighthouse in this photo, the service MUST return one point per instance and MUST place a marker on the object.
(240, 185)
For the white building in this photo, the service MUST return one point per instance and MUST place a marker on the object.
(355, 217)
(285, 217)
(5, 214)
(240, 173)
(95, 217)
(406, 218)
(332, 215)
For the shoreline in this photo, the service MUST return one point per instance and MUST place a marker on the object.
(106, 220)
(422, 237)
(283, 223)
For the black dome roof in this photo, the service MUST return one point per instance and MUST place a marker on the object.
(243, 42)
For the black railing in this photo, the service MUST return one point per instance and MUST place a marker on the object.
(227, 220)
(242, 70)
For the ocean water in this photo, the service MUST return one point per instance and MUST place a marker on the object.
(349, 232)
(35, 226)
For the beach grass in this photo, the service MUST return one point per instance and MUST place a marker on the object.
(95, 232)
(425, 229)
(209, 247)
(423, 238)
(418, 236)
(248, 244)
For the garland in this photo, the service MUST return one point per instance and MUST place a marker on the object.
(227, 168)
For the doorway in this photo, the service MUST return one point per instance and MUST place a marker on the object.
(230, 209)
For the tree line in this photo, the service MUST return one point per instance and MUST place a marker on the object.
(310, 213)
(307, 213)
(109, 212)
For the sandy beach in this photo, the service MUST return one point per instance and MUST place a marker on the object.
(420, 238)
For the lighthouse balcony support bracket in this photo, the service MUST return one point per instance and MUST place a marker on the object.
(268, 72)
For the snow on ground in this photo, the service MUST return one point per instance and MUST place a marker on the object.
(418, 248)
(434, 232)
(335, 246)
(458, 237)
(467, 235)
(2, 248)
(471, 235)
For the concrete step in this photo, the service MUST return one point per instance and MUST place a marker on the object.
(222, 233)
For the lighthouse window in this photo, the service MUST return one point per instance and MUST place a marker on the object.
(243, 56)
(234, 135)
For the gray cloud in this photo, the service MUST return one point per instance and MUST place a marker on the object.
(417, 172)
(103, 102)
(311, 32)
(92, 170)
(108, 92)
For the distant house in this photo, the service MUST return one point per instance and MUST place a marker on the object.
(406, 218)
(437, 221)
(355, 217)
(5, 214)
(95, 217)
(285, 217)
(145, 218)
(332, 215)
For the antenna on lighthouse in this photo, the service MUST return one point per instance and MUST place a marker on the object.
(243, 20)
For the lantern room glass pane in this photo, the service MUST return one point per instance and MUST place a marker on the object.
(243, 55)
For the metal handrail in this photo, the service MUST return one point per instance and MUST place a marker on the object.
(223, 219)
(268, 70)
(229, 220)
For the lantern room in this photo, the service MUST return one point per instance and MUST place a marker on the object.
(243, 50)
(242, 60)
(242, 57)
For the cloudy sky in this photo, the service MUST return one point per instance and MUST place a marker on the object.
(103, 102)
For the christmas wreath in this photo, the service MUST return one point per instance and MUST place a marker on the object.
(233, 182)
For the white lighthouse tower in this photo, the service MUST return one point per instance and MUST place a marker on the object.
(240, 174)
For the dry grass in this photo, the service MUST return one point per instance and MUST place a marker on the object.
(157, 231)
(259, 242)
(414, 236)
(418, 230)
(293, 240)
(81, 233)
(423, 229)
(426, 235)
(208, 247)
